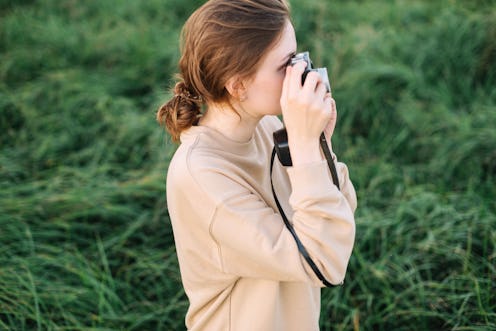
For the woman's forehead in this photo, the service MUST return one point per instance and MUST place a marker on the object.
(285, 45)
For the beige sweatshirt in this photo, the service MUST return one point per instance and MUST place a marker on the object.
(240, 266)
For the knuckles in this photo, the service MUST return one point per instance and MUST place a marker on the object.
(313, 77)
(307, 99)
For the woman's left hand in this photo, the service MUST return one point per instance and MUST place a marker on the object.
(329, 129)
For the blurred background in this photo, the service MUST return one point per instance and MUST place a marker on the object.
(85, 238)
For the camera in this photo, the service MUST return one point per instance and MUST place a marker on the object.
(305, 56)
(281, 136)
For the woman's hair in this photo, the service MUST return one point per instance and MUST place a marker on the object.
(221, 39)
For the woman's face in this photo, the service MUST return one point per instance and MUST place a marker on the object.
(263, 91)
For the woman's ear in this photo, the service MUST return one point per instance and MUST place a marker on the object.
(236, 88)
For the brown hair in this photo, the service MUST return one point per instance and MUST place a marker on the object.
(220, 39)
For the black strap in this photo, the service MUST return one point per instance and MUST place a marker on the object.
(330, 161)
(289, 226)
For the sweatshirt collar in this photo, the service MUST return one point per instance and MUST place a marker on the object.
(216, 139)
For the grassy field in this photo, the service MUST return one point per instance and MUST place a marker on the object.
(85, 239)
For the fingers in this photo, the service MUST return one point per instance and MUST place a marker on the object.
(333, 105)
(331, 124)
(320, 91)
(329, 101)
(292, 83)
(311, 83)
(313, 93)
(296, 72)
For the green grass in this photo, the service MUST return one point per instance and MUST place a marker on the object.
(85, 239)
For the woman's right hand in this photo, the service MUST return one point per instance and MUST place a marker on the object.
(306, 111)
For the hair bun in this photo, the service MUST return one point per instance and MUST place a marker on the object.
(181, 91)
(180, 112)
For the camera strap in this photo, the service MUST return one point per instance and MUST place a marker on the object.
(303, 251)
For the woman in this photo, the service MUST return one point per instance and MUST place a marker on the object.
(240, 267)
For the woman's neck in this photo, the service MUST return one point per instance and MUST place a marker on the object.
(238, 126)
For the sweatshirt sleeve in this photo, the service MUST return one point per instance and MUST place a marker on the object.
(345, 184)
(253, 241)
(322, 211)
